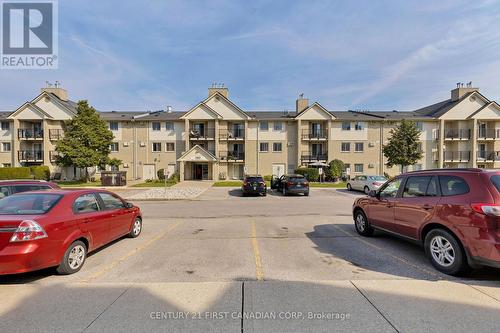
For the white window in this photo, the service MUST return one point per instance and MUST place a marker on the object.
(346, 126)
(359, 146)
(359, 126)
(169, 126)
(114, 147)
(6, 146)
(156, 126)
(5, 126)
(419, 125)
(113, 126)
(278, 127)
(264, 126)
(277, 146)
(170, 146)
(156, 147)
(264, 146)
(358, 168)
(345, 146)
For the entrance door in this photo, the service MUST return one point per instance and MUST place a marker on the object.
(148, 171)
(200, 172)
(37, 151)
(278, 170)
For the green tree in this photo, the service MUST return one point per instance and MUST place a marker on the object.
(86, 142)
(403, 147)
(336, 168)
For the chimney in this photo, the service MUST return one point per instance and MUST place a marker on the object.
(462, 90)
(56, 89)
(218, 88)
(301, 104)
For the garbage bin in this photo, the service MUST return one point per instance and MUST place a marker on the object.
(113, 178)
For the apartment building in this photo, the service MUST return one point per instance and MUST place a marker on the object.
(216, 139)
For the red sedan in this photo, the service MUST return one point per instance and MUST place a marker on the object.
(59, 228)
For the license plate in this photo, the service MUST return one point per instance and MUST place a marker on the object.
(254, 188)
(298, 185)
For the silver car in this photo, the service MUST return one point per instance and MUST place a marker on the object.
(366, 183)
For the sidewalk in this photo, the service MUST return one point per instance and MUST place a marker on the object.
(252, 306)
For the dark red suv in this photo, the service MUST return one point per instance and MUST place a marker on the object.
(9, 187)
(454, 213)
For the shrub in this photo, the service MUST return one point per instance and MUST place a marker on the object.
(268, 178)
(311, 174)
(15, 173)
(160, 174)
(41, 172)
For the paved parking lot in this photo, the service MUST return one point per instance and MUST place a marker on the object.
(295, 256)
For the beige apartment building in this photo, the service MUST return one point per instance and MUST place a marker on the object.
(216, 139)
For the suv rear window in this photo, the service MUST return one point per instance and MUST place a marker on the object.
(297, 179)
(27, 188)
(452, 185)
(254, 179)
(496, 181)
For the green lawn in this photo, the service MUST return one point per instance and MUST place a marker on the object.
(332, 185)
(78, 183)
(228, 183)
(156, 183)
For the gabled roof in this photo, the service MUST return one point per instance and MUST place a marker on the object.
(484, 107)
(440, 108)
(319, 106)
(197, 106)
(197, 153)
(35, 108)
(218, 94)
(68, 105)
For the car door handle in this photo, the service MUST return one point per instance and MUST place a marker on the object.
(87, 220)
(426, 206)
(389, 205)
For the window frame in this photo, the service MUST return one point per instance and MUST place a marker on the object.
(153, 126)
(359, 126)
(167, 123)
(362, 167)
(153, 147)
(386, 185)
(281, 147)
(452, 195)
(86, 194)
(117, 147)
(280, 129)
(348, 127)
(260, 147)
(5, 123)
(111, 128)
(101, 200)
(3, 147)
(348, 145)
(356, 147)
(173, 147)
(262, 123)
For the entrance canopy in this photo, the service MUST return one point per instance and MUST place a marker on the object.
(197, 154)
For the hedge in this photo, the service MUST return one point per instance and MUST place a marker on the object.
(15, 173)
(312, 174)
(41, 172)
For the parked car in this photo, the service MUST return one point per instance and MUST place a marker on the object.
(453, 213)
(366, 183)
(9, 187)
(254, 184)
(59, 228)
(291, 184)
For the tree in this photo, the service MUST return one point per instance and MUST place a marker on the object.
(403, 147)
(334, 170)
(86, 142)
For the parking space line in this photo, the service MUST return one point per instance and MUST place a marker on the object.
(403, 260)
(256, 254)
(115, 263)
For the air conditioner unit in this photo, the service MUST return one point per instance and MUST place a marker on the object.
(142, 144)
(125, 165)
(371, 165)
(371, 144)
(125, 144)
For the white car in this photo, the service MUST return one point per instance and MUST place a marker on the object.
(366, 183)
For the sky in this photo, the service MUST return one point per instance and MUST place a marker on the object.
(369, 55)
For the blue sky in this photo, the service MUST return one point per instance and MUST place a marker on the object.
(376, 55)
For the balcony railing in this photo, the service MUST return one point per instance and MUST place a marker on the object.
(457, 156)
(202, 134)
(488, 133)
(56, 134)
(457, 133)
(231, 156)
(232, 135)
(316, 134)
(483, 155)
(30, 155)
(307, 157)
(53, 156)
(29, 134)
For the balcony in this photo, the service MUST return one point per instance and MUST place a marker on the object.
(56, 134)
(202, 134)
(53, 156)
(488, 156)
(488, 134)
(29, 134)
(232, 156)
(457, 134)
(317, 134)
(233, 135)
(457, 156)
(308, 157)
(30, 155)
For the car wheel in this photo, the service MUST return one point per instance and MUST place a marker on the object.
(264, 194)
(136, 228)
(349, 187)
(306, 194)
(73, 258)
(445, 252)
(366, 190)
(361, 224)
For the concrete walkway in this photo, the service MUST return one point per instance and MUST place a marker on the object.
(252, 306)
(186, 190)
(204, 184)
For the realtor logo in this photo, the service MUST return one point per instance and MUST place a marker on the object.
(29, 34)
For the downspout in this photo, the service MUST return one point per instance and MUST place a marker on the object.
(135, 148)
(257, 147)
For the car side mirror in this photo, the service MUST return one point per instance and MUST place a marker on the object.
(129, 205)
(372, 193)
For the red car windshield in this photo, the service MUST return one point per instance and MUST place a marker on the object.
(28, 204)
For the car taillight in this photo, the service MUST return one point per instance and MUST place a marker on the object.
(486, 209)
(305, 183)
(376, 183)
(262, 183)
(290, 184)
(27, 231)
(245, 183)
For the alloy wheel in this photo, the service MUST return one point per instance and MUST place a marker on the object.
(76, 257)
(360, 222)
(137, 227)
(442, 251)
